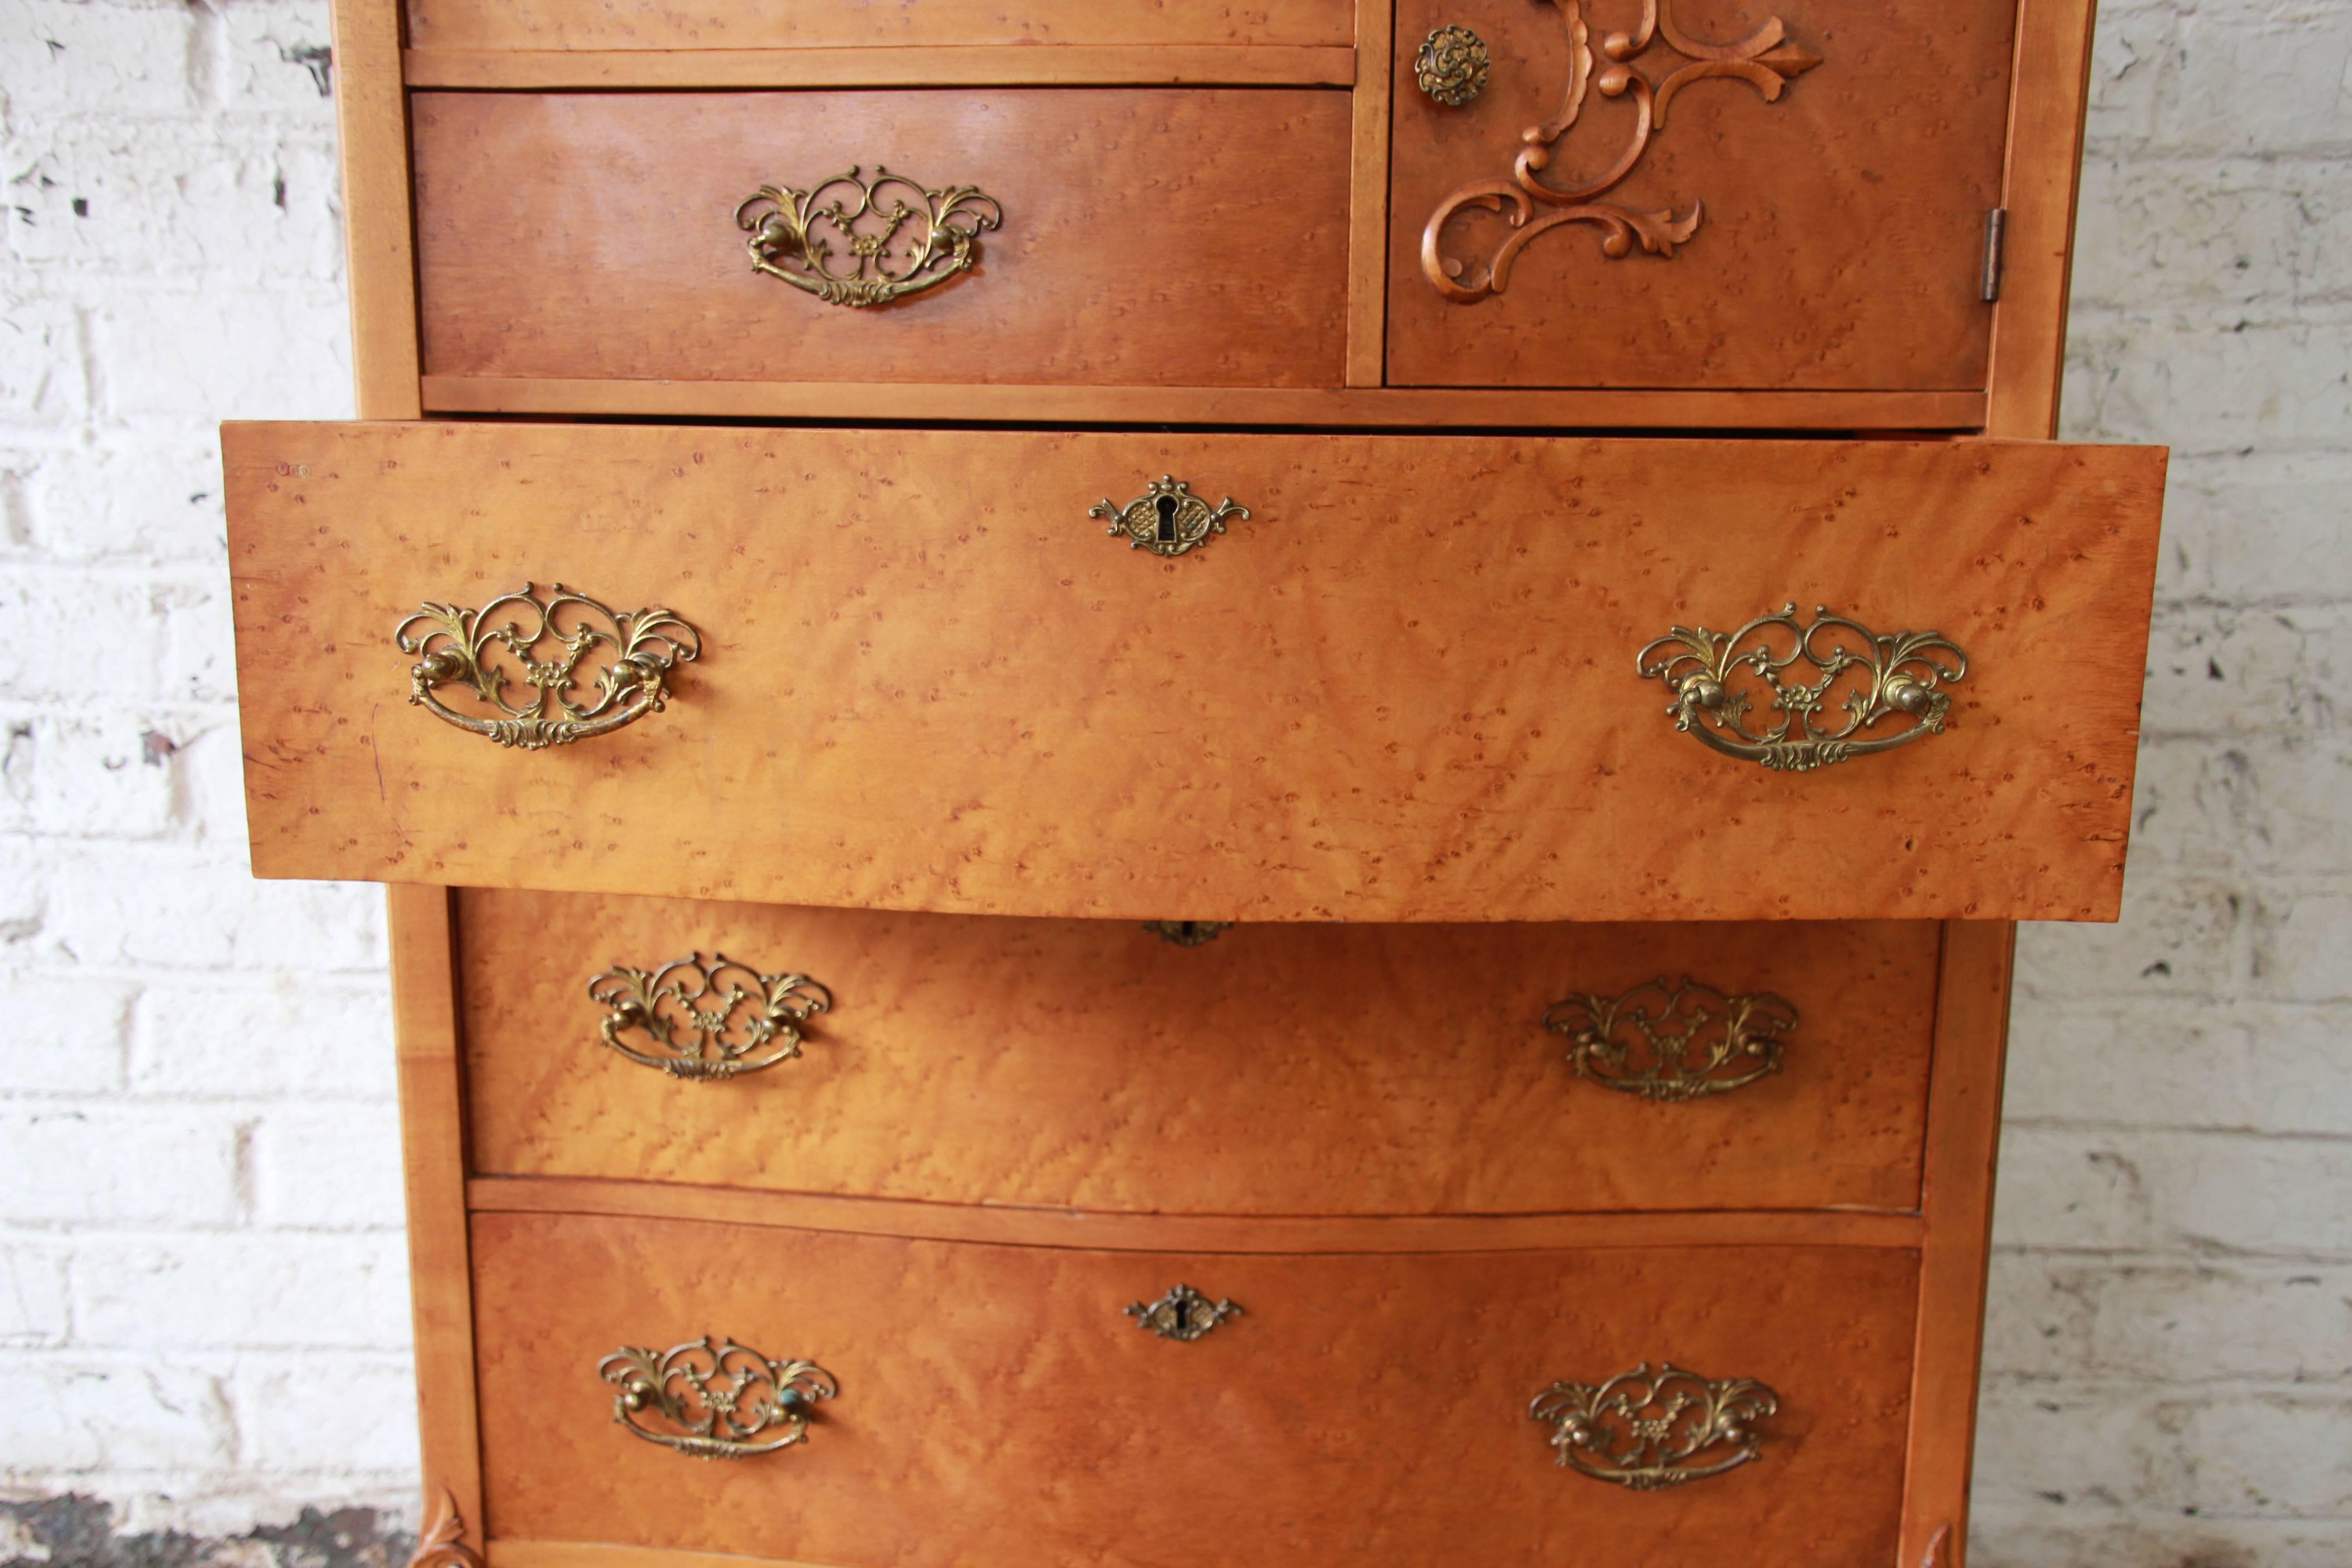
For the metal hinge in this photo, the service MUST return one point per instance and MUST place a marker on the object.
(1995, 221)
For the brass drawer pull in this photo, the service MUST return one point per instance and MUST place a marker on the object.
(1451, 66)
(728, 1401)
(884, 263)
(1865, 678)
(1167, 519)
(1188, 933)
(1652, 1431)
(1182, 1314)
(702, 1020)
(1673, 1040)
(458, 646)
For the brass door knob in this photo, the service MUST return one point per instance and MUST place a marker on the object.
(1451, 66)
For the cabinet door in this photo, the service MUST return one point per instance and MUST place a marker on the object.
(1733, 194)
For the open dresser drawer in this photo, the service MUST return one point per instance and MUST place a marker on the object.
(1393, 678)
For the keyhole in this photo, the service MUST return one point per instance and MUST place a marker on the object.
(1168, 519)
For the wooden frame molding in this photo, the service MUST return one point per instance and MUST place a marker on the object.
(433, 1140)
(1367, 196)
(993, 65)
(371, 108)
(1365, 407)
(2049, 96)
(1963, 1145)
(1105, 1232)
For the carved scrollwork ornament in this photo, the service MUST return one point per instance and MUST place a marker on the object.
(1865, 679)
(1182, 1314)
(1764, 59)
(472, 649)
(1167, 519)
(1673, 1040)
(899, 238)
(1649, 1431)
(705, 1019)
(719, 1400)
(1450, 65)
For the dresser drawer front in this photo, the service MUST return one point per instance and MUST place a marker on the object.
(997, 1405)
(1830, 238)
(795, 24)
(1149, 236)
(1093, 1065)
(1404, 686)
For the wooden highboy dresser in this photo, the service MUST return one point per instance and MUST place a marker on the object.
(1175, 783)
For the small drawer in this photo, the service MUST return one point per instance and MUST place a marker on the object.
(1272, 1071)
(1197, 676)
(1801, 197)
(990, 1407)
(1136, 237)
(933, 24)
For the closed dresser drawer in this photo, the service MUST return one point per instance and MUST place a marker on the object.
(1432, 678)
(1142, 236)
(984, 1405)
(1272, 1071)
(1759, 196)
(795, 24)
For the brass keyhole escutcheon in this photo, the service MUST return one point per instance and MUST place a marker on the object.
(1167, 519)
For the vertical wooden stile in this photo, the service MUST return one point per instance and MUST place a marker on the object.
(2049, 96)
(373, 110)
(371, 107)
(2049, 93)
(1368, 194)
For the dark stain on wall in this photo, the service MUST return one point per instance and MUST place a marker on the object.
(75, 1532)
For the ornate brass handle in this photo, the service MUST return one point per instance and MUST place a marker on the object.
(884, 265)
(1167, 519)
(461, 647)
(1673, 1040)
(1182, 1314)
(727, 1401)
(1450, 65)
(701, 1020)
(1863, 677)
(1649, 1431)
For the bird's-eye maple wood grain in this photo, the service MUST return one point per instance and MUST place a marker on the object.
(1278, 1069)
(998, 1408)
(1151, 236)
(1403, 689)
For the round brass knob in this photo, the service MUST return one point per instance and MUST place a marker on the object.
(1451, 66)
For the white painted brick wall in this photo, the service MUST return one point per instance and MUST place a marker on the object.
(203, 1310)
(2168, 1362)
(202, 1285)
